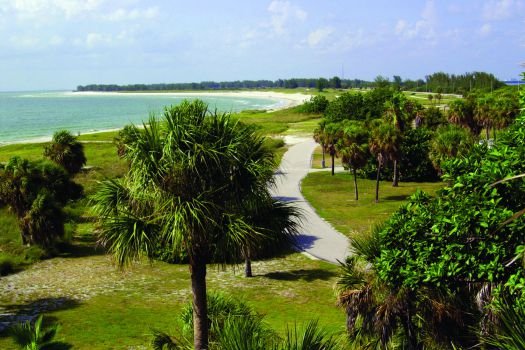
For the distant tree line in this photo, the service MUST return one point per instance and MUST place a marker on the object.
(319, 83)
(438, 83)
(450, 83)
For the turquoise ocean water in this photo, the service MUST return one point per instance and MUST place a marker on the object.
(36, 115)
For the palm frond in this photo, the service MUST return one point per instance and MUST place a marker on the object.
(308, 337)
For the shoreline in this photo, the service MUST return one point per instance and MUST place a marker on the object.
(283, 101)
(292, 100)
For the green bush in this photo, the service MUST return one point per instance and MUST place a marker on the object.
(317, 105)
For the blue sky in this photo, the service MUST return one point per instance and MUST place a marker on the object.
(59, 44)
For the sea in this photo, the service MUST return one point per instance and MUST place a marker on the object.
(35, 116)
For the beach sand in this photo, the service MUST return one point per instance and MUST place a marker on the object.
(283, 100)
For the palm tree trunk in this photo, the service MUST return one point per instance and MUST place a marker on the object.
(200, 304)
(323, 164)
(355, 184)
(26, 241)
(333, 164)
(377, 181)
(247, 263)
(395, 183)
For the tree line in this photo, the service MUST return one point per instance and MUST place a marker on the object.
(438, 83)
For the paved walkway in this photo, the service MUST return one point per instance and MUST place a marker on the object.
(317, 237)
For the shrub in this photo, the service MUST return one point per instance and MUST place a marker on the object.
(317, 105)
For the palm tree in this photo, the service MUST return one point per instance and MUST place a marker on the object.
(461, 112)
(187, 182)
(400, 112)
(332, 132)
(384, 144)
(66, 151)
(35, 337)
(449, 142)
(319, 137)
(36, 193)
(485, 114)
(352, 147)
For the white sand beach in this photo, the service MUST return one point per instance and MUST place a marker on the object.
(283, 100)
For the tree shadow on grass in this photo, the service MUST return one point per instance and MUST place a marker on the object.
(301, 274)
(19, 313)
(395, 198)
(80, 247)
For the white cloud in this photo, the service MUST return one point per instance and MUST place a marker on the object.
(485, 29)
(97, 39)
(424, 27)
(282, 12)
(134, 14)
(94, 40)
(29, 9)
(496, 10)
(318, 36)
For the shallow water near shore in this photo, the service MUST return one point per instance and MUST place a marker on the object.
(35, 116)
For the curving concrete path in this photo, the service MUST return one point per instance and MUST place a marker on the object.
(317, 238)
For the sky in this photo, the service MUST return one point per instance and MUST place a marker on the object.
(59, 44)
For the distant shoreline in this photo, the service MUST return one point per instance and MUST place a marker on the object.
(292, 100)
(283, 101)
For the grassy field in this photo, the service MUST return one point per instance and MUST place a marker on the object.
(107, 309)
(317, 159)
(333, 199)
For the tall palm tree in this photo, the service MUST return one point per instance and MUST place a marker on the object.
(384, 144)
(187, 181)
(352, 147)
(319, 137)
(65, 150)
(332, 133)
(400, 112)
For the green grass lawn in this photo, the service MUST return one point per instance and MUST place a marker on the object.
(117, 310)
(317, 159)
(333, 199)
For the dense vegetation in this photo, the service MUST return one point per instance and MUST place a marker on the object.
(437, 272)
(405, 140)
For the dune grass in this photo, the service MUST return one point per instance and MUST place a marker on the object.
(333, 199)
